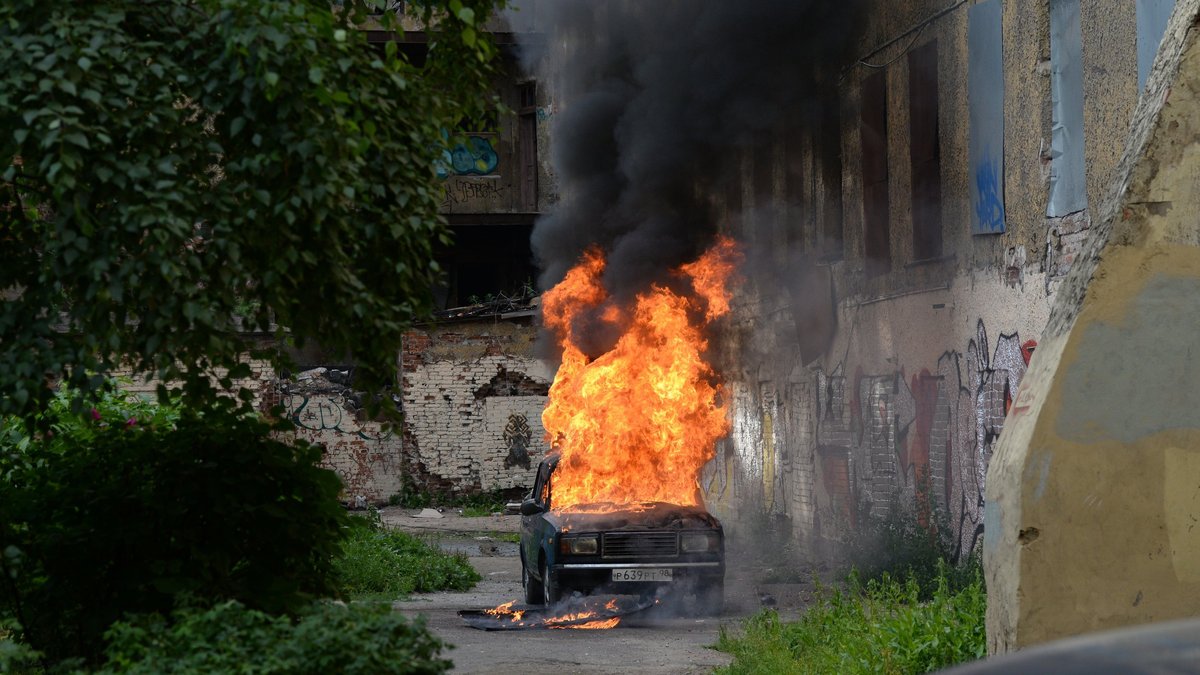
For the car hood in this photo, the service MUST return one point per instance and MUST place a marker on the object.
(646, 516)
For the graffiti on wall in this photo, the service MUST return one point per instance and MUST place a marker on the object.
(923, 441)
(475, 157)
(462, 191)
(845, 447)
(517, 435)
(327, 412)
(989, 206)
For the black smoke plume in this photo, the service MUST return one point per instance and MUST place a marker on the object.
(657, 100)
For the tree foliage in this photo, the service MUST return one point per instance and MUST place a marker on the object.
(177, 173)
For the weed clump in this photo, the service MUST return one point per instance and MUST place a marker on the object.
(882, 625)
(377, 563)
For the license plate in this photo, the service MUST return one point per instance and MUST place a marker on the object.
(642, 574)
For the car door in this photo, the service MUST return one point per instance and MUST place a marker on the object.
(532, 526)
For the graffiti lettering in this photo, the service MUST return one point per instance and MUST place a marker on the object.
(325, 413)
(470, 190)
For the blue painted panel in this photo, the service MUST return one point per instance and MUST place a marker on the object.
(1068, 177)
(1152, 18)
(985, 100)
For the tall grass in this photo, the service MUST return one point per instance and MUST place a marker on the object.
(381, 564)
(883, 626)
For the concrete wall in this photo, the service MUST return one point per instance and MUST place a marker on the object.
(912, 387)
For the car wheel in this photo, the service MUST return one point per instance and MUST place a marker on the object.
(550, 591)
(533, 588)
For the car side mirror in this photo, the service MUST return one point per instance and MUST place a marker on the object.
(530, 508)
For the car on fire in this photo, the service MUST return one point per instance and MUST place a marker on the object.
(642, 548)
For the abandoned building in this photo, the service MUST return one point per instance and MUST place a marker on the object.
(943, 202)
(471, 391)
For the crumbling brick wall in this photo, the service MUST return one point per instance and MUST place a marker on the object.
(473, 395)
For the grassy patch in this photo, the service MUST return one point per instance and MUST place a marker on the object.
(883, 626)
(379, 564)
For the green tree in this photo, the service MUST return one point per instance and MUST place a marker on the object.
(174, 174)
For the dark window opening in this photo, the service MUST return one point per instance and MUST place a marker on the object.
(483, 262)
(527, 145)
(829, 143)
(925, 152)
(876, 238)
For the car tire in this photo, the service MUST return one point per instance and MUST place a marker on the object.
(533, 587)
(550, 590)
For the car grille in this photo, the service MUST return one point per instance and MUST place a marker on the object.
(639, 544)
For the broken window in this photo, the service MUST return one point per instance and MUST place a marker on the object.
(925, 152)
(876, 239)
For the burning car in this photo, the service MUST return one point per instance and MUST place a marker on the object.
(641, 548)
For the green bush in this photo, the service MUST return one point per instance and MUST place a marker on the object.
(229, 637)
(385, 564)
(130, 506)
(883, 626)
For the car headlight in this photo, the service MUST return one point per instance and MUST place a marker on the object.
(698, 542)
(587, 545)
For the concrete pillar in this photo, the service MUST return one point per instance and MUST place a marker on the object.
(1092, 518)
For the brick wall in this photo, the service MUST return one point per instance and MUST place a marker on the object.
(473, 395)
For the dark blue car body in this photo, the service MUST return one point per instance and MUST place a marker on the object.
(638, 548)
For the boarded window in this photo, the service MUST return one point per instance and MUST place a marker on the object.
(1152, 16)
(985, 100)
(925, 152)
(876, 242)
(527, 143)
(1068, 186)
(829, 144)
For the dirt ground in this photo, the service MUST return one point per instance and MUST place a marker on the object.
(649, 642)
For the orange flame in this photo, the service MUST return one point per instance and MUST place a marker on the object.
(638, 423)
(599, 624)
(506, 610)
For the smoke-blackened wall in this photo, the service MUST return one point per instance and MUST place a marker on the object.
(655, 99)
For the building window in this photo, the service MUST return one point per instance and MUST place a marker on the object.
(924, 152)
(829, 159)
(1068, 178)
(527, 144)
(876, 241)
